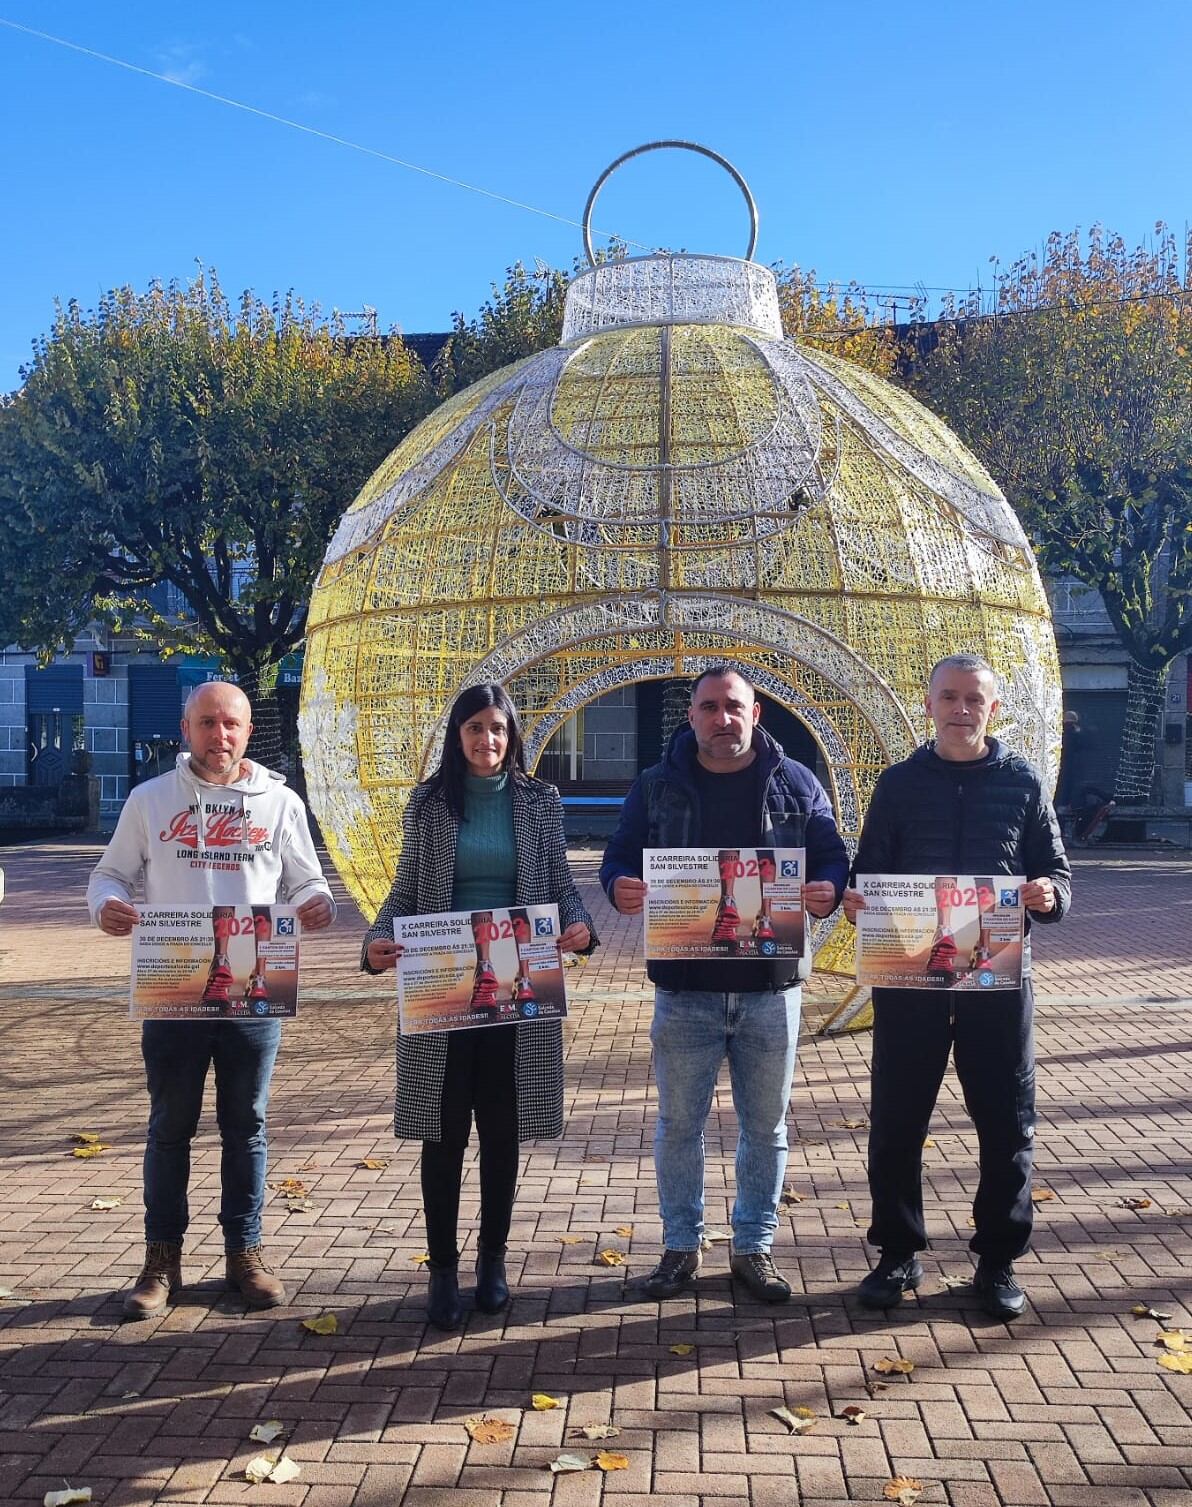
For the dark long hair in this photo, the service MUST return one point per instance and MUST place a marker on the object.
(453, 768)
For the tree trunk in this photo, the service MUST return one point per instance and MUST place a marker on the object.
(1137, 759)
(259, 684)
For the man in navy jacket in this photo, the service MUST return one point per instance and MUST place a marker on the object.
(961, 804)
(724, 783)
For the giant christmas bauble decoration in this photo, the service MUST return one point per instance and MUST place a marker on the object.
(673, 485)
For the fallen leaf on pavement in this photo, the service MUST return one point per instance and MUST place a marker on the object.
(568, 1462)
(1135, 1203)
(952, 1282)
(971, 1222)
(487, 1430)
(259, 1469)
(842, 1206)
(1182, 1364)
(849, 1124)
(597, 1431)
(789, 1196)
(888, 1366)
(421, 1258)
(714, 1237)
(624, 1230)
(928, 1144)
(298, 1205)
(853, 1414)
(681, 1349)
(291, 1187)
(106, 1203)
(904, 1489)
(373, 1163)
(611, 1258)
(6, 1292)
(1172, 1339)
(279, 1469)
(326, 1323)
(874, 1387)
(1042, 1195)
(65, 1498)
(571, 1240)
(798, 1422)
(1142, 1311)
(285, 1470)
(87, 1138)
(542, 1402)
(266, 1433)
(606, 1460)
(91, 1149)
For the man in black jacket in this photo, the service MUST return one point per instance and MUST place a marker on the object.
(961, 804)
(724, 783)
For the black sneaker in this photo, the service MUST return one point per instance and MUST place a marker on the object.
(759, 1274)
(673, 1273)
(996, 1286)
(889, 1279)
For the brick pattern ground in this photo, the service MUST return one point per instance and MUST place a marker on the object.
(1067, 1407)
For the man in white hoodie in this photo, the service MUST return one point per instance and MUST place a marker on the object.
(217, 831)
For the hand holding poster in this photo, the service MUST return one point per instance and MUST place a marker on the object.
(226, 962)
(459, 970)
(946, 931)
(724, 903)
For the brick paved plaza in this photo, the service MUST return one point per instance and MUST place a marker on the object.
(1068, 1407)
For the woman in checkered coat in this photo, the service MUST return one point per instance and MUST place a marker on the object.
(479, 834)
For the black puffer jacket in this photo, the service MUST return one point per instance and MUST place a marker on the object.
(938, 816)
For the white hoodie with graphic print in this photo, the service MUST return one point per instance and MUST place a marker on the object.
(196, 844)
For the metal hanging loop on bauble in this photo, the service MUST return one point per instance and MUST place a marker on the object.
(655, 146)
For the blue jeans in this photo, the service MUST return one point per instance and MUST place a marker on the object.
(177, 1055)
(692, 1032)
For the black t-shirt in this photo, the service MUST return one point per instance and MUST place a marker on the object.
(730, 817)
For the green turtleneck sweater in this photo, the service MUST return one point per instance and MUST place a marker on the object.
(486, 853)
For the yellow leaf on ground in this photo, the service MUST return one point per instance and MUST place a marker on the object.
(542, 1402)
(803, 1412)
(326, 1323)
(1181, 1364)
(842, 1206)
(373, 1163)
(487, 1430)
(681, 1349)
(278, 1469)
(789, 1196)
(291, 1187)
(1042, 1195)
(888, 1366)
(903, 1489)
(1144, 1311)
(421, 1258)
(106, 1203)
(1135, 1203)
(928, 1144)
(258, 1468)
(611, 1258)
(571, 1239)
(606, 1460)
(1172, 1339)
(87, 1138)
(66, 1498)
(90, 1150)
(853, 1414)
(798, 1422)
(624, 1230)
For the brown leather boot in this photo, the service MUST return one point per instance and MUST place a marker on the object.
(251, 1273)
(160, 1279)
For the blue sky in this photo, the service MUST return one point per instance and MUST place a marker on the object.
(891, 143)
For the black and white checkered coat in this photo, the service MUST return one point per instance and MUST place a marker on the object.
(425, 872)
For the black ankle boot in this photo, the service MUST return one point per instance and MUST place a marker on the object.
(492, 1290)
(442, 1300)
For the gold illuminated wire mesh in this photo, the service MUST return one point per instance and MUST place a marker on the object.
(673, 485)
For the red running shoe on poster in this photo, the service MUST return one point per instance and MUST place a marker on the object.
(941, 962)
(763, 929)
(523, 990)
(256, 992)
(218, 989)
(484, 987)
(727, 922)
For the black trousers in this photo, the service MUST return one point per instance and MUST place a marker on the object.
(991, 1037)
(480, 1080)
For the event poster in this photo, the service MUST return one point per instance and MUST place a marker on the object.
(724, 903)
(224, 962)
(940, 931)
(459, 970)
